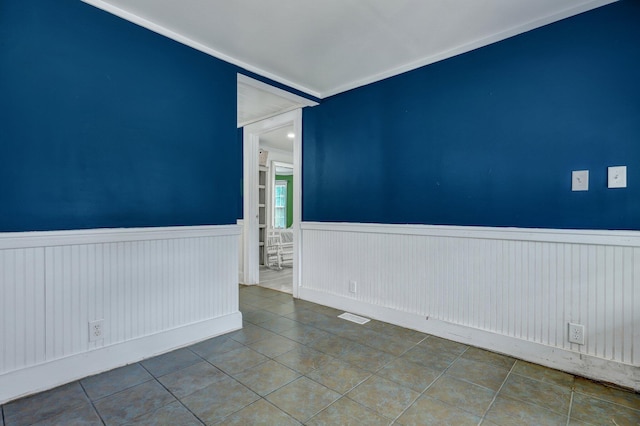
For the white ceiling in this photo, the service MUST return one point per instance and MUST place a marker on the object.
(277, 139)
(324, 47)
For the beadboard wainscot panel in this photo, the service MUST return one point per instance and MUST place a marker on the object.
(510, 290)
(241, 252)
(155, 289)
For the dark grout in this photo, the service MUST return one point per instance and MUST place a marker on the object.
(93, 405)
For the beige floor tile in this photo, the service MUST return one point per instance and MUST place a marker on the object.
(260, 413)
(237, 360)
(409, 374)
(304, 334)
(188, 380)
(443, 345)
(217, 345)
(170, 362)
(116, 380)
(266, 377)
(619, 396)
(546, 395)
(339, 375)
(487, 357)
(259, 316)
(429, 357)
(215, 402)
(429, 411)
(171, 414)
(387, 398)
(346, 412)
(599, 412)
(83, 414)
(274, 346)
(304, 359)
(509, 412)
(333, 345)
(251, 334)
(469, 397)
(124, 406)
(367, 358)
(280, 324)
(397, 332)
(478, 373)
(303, 398)
(544, 374)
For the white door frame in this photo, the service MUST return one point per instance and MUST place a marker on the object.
(250, 141)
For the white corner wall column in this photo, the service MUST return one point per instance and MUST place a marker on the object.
(156, 289)
(509, 290)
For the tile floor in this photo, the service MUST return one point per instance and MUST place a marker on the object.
(294, 362)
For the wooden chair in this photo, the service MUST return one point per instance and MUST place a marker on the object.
(273, 250)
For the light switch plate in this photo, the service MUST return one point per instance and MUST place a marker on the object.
(617, 177)
(580, 180)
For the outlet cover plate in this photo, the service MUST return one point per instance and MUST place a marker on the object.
(580, 180)
(576, 333)
(96, 330)
(617, 177)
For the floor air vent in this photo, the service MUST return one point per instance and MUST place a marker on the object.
(354, 318)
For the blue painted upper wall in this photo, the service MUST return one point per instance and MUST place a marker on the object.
(490, 137)
(106, 124)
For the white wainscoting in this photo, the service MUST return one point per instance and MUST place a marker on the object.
(241, 252)
(506, 289)
(155, 288)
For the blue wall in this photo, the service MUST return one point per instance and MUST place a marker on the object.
(489, 137)
(106, 124)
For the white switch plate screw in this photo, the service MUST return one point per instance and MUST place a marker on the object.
(352, 286)
(576, 333)
(96, 330)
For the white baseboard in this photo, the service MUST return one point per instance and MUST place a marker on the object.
(51, 374)
(557, 358)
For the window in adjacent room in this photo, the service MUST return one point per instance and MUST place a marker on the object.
(280, 205)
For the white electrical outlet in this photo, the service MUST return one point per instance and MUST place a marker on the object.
(576, 333)
(96, 330)
(352, 286)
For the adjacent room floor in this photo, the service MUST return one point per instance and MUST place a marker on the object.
(277, 279)
(295, 362)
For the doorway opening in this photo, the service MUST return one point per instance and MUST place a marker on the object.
(262, 111)
(272, 202)
(276, 208)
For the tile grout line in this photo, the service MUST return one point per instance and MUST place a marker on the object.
(371, 374)
(171, 393)
(608, 401)
(484, 415)
(344, 395)
(430, 384)
(269, 358)
(570, 406)
(92, 402)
